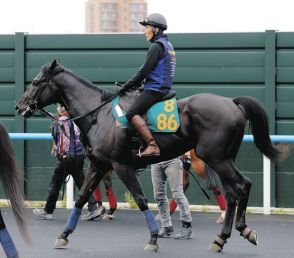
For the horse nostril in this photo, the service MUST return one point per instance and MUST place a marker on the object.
(16, 108)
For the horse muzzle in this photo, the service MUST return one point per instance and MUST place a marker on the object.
(25, 112)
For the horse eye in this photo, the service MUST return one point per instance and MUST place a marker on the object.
(34, 82)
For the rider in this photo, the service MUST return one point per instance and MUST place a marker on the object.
(156, 73)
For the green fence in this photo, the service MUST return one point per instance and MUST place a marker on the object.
(230, 64)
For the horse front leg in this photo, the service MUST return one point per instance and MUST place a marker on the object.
(128, 176)
(6, 240)
(91, 181)
(221, 239)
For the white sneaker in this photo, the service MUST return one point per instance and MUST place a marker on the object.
(221, 218)
(185, 233)
(43, 214)
(158, 217)
(108, 216)
(90, 215)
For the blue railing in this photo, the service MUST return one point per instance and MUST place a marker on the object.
(274, 138)
(247, 138)
(47, 136)
(30, 136)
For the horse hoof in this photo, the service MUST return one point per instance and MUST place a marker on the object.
(250, 235)
(60, 243)
(252, 238)
(151, 247)
(214, 248)
(217, 245)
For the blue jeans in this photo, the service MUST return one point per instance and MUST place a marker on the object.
(169, 172)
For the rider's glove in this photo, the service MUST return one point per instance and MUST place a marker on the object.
(121, 91)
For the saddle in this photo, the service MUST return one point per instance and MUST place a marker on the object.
(126, 100)
(161, 117)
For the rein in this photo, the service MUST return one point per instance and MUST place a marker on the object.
(33, 105)
(95, 109)
(52, 118)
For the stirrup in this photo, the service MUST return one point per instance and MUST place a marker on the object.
(139, 153)
(151, 143)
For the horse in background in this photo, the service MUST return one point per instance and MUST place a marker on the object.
(202, 170)
(107, 180)
(9, 177)
(212, 125)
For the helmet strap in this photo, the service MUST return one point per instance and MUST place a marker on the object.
(155, 32)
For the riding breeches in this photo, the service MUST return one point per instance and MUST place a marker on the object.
(143, 102)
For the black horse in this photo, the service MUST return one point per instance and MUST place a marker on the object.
(9, 177)
(212, 125)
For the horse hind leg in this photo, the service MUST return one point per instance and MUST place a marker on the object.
(243, 196)
(129, 178)
(240, 188)
(226, 230)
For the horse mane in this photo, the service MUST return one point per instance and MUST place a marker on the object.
(104, 93)
(59, 68)
(83, 80)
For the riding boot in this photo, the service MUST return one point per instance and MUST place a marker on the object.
(140, 126)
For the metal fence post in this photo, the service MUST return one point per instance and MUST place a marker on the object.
(270, 98)
(266, 185)
(19, 90)
(70, 193)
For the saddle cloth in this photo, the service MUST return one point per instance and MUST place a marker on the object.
(161, 117)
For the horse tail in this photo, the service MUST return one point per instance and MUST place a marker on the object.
(9, 176)
(258, 118)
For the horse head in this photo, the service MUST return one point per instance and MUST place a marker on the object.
(42, 91)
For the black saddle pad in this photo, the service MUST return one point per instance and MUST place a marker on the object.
(126, 100)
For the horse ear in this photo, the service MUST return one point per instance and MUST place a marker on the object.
(53, 65)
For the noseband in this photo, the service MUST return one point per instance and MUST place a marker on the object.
(33, 103)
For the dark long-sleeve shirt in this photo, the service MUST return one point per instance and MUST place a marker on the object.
(154, 53)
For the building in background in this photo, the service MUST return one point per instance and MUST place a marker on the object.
(115, 15)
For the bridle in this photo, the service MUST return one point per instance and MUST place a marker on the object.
(33, 103)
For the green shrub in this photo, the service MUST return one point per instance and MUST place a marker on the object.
(130, 200)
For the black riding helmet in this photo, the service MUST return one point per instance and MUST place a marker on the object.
(156, 20)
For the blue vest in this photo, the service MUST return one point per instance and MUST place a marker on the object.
(161, 77)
